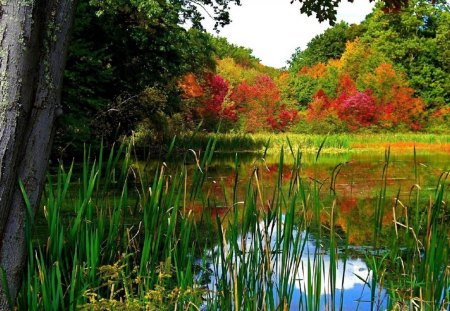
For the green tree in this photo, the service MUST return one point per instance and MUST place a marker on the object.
(327, 9)
(241, 55)
(119, 49)
(328, 45)
(416, 41)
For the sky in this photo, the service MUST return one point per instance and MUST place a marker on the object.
(273, 29)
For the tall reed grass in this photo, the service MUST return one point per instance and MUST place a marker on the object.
(121, 237)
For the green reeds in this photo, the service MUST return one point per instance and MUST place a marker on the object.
(120, 237)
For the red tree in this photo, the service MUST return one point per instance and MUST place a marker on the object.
(213, 107)
(319, 108)
(260, 105)
(358, 110)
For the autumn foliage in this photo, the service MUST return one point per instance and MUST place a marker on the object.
(367, 92)
(358, 90)
(216, 90)
(258, 106)
(191, 88)
(317, 71)
(261, 103)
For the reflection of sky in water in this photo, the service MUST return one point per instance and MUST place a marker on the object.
(349, 286)
(350, 289)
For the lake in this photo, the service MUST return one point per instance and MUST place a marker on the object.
(346, 190)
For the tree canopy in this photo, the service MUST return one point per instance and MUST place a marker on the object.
(326, 10)
(128, 59)
(416, 41)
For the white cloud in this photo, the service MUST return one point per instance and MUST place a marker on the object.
(274, 28)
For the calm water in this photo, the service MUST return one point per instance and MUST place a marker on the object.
(356, 183)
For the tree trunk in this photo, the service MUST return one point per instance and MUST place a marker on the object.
(33, 42)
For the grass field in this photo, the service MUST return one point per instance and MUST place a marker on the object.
(334, 143)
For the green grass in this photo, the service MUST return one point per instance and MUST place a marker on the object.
(113, 252)
(335, 143)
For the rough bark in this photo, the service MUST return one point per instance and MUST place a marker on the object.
(33, 41)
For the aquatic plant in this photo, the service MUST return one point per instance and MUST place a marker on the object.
(118, 235)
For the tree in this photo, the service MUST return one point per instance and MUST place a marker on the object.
(323, 47)
(326, 9)
(33, 45)
(213, 109)
(118, 51)
(364, 93)
(241, 55)
(260, 105)
(416, 41)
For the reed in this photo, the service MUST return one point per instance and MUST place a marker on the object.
(120, 236)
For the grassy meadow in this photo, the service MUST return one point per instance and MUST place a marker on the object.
(335, 143)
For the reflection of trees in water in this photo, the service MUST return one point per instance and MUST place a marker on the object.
(356, 186)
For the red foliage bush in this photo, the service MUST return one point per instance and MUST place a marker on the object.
(216, 89)
(215, 92)
(320, 106)
(391, 106)
(358, 110)
(260, 105)
(363, 90)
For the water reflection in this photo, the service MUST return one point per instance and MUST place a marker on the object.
(355, 187)
(359, 173)
(351, 291)
(318, 281)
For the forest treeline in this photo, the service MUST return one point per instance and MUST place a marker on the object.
(134, 68)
